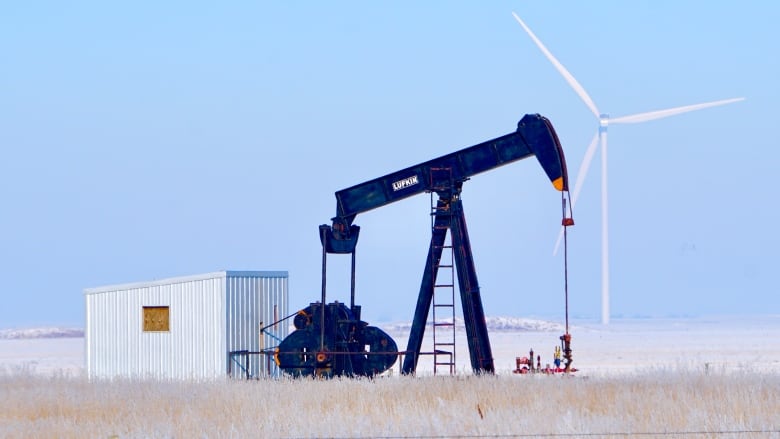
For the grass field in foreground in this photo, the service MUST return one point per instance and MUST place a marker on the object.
(658, 403)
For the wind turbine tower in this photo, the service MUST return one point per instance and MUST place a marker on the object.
(601, 138)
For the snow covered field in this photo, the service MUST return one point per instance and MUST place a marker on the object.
(629, 345)
(624, 346)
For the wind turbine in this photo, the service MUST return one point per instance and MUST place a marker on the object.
(601, 137)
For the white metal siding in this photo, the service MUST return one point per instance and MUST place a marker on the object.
(250, 306)
(210, 315)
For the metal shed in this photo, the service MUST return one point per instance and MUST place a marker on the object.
(184, 327)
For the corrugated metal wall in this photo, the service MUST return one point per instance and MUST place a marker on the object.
(210, 315)
(254, 302)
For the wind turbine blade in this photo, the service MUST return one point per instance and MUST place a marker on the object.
(566, 75)
(651, 115)
(581, 173)
(558, 242)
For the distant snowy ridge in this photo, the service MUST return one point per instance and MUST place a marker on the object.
(519, 324)
(508, 324)
(11, 334)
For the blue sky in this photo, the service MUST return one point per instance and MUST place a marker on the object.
(148, 140)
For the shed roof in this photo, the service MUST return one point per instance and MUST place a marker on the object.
(182, 279)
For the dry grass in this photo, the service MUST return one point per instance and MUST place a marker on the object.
(660, 402)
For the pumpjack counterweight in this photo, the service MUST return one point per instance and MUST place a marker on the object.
(535, 136)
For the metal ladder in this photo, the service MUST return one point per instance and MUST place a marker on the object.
(443, 279)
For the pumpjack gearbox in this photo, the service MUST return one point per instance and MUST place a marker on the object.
(334, 342)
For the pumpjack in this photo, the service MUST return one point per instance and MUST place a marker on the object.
(335, 331)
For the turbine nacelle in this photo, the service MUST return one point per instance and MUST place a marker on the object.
(603, 122)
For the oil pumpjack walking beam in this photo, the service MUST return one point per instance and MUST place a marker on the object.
(535, 136)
